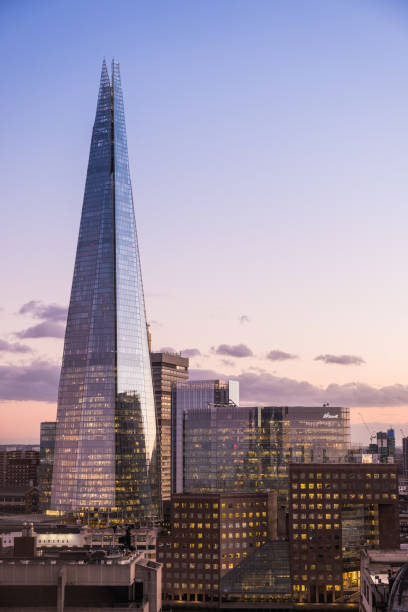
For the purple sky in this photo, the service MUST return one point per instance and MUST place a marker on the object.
(268, 151)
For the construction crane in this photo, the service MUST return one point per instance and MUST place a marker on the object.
(372, 435)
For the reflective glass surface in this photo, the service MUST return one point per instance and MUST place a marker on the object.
(227, 448)
(106, 427)
(47, 444)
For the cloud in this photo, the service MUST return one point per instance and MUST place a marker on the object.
(8, 347)
(54, 318)
(193, 352)
(265, 388)
(280, 356)
(48, 312)
(228, 362)
(37, 381)
(239, 350)
(340, 359)
(167, 349)
(47, 329)
(244, 319)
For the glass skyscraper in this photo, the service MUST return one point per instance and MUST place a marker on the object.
(105, 449)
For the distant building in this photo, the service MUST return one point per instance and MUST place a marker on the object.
(19, 500)
(56, 536)
(19, 466)
(47, 444)
(74, 580)
(334, 512)
(384, 580)
(211, 535)
(385, 446)
(405, 457)
(167, 369)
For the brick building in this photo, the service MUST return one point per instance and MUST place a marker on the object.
(210, 535)
(19, 467)
(335, 511)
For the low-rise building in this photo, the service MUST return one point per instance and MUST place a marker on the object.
(383, 574)
(19, 500)
(71, 580)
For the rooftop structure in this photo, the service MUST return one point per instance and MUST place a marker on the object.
(73, 579)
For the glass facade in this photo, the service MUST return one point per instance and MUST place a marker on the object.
(47, 445)
(228, 447)
(105, 451)
(193, 395)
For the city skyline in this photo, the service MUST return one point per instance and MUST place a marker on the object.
(279, 207)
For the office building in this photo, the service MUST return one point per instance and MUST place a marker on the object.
(211, 535)
(19, 466)
(385, 446)
(19, 500)
(334, 512)
(47, 444)
(167, 369)
(405, 457)
(77, 579)
(192, 395)
(105, 447)
(224, 447)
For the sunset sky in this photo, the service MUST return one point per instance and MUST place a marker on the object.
(268, 144)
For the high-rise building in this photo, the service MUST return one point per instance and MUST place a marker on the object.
(47, 445)
(226, 447)
(191, 395)
(167, 369)
(405, 457)
(105, 448)
(335, 511)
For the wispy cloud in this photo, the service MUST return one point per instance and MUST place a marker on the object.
(167, 349)
(193, 352)
(280, 356)
(269, 389)
(15, 347)
(47, 329)
(53, 316)
(341, 359)
(237, 350)
(244, 319)
(37, 381)
(48, 312)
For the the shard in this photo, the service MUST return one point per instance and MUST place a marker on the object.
(105, 451)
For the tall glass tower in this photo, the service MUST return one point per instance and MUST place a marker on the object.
(105, 449)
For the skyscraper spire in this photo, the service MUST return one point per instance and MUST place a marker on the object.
(105, 452)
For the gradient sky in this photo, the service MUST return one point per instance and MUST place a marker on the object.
(268, 152)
